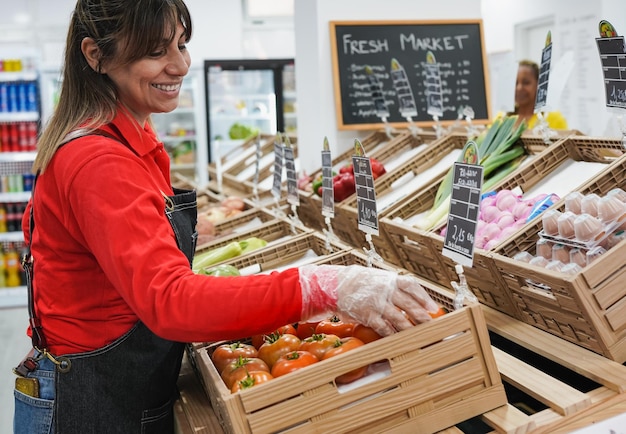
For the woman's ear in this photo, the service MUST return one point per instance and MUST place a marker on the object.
(91, 51)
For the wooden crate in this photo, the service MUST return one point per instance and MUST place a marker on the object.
(553, 386)
(433, 376)
(587, 308)
(273, 230)
(377, 145)
(308, 247)
(233, 158)
(482, 277)
(428, 160)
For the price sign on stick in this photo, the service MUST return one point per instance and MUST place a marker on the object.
(258, 155)
(290, 171)
(544, 75)
(432, 84)
(612, 50)
(464, 207)
(328, 194)
(278, 168)
(376, 88)
(406, 100)
(365, 194)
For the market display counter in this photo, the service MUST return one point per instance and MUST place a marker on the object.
(553, 386)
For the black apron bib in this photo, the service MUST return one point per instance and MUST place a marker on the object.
(129, 386)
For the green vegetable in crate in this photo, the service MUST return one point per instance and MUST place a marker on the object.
(221, 270)
(240, 131)
(228, 251)
(500, 153)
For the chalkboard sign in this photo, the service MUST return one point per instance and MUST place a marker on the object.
(359, 46)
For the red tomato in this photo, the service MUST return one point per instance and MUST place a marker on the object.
(365, 333)
(258, 340)
(292, 361)
(340, 347)
(335, 326)
(276, 345)
(442, 311)
(254, 378)
(225, 353)
(306, 329)
(238, 369)
(318, 344)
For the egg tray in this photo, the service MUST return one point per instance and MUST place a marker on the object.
(587, 308)
(607, 230)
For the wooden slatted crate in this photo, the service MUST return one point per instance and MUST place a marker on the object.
(421, 251)
(377, 145)
(431, 377)
(587, 308)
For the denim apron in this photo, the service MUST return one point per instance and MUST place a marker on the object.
(128, 386)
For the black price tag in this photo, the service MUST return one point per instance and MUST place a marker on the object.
(544, 75)
(278, 168)
(328, 194)
(463, 215)
(365, 194)
(612, 49)
(290, 171)
(432, 84)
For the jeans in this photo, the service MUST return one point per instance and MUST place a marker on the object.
(34, 415)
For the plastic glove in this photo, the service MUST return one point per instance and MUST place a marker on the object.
(381, 299)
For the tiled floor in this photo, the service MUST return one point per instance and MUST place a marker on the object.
(14, 344)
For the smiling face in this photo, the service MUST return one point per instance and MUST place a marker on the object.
(525, 87)
(152, 83)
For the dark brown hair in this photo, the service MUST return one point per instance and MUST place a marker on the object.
(124, 31)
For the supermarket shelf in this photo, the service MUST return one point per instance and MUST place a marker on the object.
(11, 237)
(13, 297)
(19, 116)
(17, 157)
(18, 76)
(23, 196)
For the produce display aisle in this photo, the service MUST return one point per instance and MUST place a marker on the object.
(555, 350)
(565, 408)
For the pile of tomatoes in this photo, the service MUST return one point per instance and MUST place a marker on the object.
(287, 349)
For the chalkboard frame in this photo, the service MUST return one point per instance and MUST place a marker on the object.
(384, 24)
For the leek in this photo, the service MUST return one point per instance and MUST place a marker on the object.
(499, 151)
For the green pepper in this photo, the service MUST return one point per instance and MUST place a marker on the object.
(317, 183)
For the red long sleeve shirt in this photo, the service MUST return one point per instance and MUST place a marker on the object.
(105, 255)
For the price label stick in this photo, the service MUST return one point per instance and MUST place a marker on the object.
(292, 183)
(365, 200)
(434, 91)
(463, 217)
(328, 195)
(378, 98)
(255, 182)
(218, 165)
(612, 48)
(542, 128)
(406, 100)
(278, 173)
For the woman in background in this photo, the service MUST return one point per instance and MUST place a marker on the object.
(525, 94)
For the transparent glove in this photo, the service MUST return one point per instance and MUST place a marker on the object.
(381, 299)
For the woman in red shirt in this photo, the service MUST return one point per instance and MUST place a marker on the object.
(113, 295)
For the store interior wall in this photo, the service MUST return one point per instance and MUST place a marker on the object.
(221, 32)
